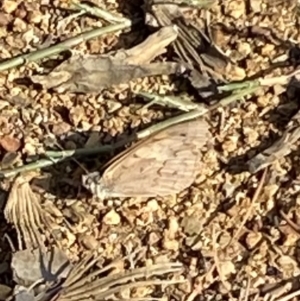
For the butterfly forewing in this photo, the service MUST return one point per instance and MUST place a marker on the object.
(162, 164)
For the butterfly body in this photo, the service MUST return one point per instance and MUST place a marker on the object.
(163, 164)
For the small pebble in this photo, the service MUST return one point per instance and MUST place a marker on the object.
(112, 218)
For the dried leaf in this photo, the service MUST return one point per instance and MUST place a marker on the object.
(163, 164)
(23, 209)
(10, 144)
(29, 266)
(281, 148)
(92, 73)
(192, 45)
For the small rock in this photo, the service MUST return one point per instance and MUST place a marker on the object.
(230, 144)
(5, 19)
(19, 25)
(86, 126)
(34, 17)
(89, 242)
(252, 239)
(112, 218)
(236, 9)
(267, 49)
(255, 6)
(112, 105)
(251, 136)
(9, 6)
(244, 48)
(173, 227)
(190, 225)
(61, 128)
(75, 115)
(172, 245)
(153, 205)
(226, 268)
(10, 144)
(153, 238)
(235, 72)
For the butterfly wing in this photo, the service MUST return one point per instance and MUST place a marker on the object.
(163, 164)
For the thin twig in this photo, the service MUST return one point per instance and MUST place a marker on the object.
(178, 102)
(260, 82)
(98, 12)
(249, 210)
(29, 167)
(58, 156)
(216, 258)
(200, 111)
(63, 46)
(295, 228)
(289, 296)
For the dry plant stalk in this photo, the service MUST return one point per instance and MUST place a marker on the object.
(93, 73)
(281, 148)
(23, 209)
(85, 283)
(163, 164)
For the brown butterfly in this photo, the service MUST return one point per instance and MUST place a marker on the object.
(163, 164)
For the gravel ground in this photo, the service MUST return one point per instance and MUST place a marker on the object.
(235, 232)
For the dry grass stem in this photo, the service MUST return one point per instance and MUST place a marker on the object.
(83, 283)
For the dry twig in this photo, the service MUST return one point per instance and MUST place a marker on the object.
(84, 283)
(58, 156)
(63, 46)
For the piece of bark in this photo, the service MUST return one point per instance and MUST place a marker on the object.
(93, 73)
(281, 148)
(192, 46)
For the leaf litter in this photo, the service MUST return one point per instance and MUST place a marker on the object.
(265, 250)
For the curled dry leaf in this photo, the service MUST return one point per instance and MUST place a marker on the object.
(163, 164)
(92, 73)
(23, 209)
(192, 45)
